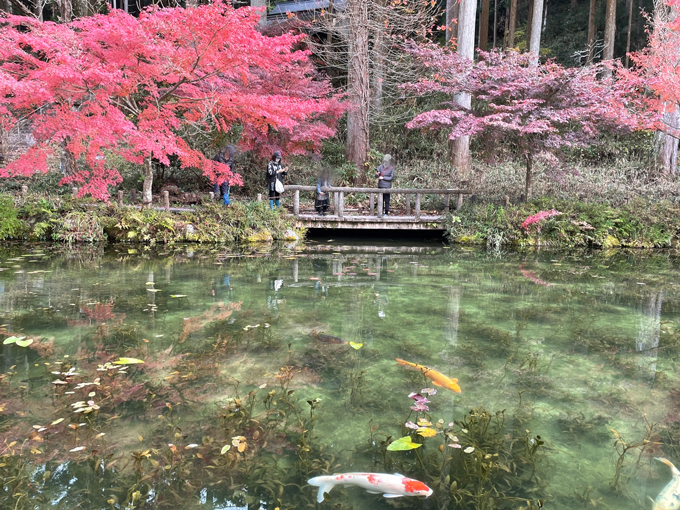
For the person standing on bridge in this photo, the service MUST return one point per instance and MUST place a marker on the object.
(385, 175)
(322, 201)
(275, 173)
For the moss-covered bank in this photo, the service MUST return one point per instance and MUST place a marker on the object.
(40, 218)
(637, 224)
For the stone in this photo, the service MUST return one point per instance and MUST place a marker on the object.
(290, 235)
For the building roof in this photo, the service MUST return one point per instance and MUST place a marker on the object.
(303, 6)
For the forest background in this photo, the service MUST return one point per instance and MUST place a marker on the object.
(359, 46)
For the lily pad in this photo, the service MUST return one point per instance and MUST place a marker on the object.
(355, 345)
(403, 444)
(12, 339)
(24, 343)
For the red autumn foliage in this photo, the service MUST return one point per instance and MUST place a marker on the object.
(141, 87)
(657, 66)
(535, 109)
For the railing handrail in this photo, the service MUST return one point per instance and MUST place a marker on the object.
(423, 191)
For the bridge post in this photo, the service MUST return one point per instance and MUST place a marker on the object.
(459, 202)
(296, 203)
(447, 201)
(341, 205)
(335, 203)
(417, 206)
(408, 204)
(372, 204)
(120, 199)
(380, 205)
(166, 200)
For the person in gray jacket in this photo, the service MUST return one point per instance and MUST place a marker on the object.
(385, 175)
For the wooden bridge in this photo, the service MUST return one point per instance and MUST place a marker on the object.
(405, 216)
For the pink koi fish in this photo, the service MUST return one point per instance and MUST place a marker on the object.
(390, 486)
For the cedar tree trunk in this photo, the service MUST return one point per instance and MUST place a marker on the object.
(358, 87)
(609, 30)
(466, 49)
(536, 25)
(513, 23)
(591, 32)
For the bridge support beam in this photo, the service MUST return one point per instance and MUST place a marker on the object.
(417, 206)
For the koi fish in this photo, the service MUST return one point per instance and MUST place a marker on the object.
(437, 378)
(669, 497)
(390, 486)
(326, 339)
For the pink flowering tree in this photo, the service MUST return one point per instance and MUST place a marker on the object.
(535, 109)
(143, 87)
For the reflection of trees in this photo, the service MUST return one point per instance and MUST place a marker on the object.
(453, 316)
(649, 328)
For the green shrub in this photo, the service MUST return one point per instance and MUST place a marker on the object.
(10, 225)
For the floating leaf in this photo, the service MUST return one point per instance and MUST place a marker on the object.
(355, 345)
(225, 449)
(403, 444)
(127, 361)
(12, 339)
(24, 343)
(77, 449)
(57, 422)
(469, 449)
(178, 295)
(426, 432)
(424, 423)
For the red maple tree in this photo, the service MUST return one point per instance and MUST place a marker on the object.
(141, 87)
(535, 109)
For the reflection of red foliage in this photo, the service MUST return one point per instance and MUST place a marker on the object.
(218, 312)
(533, 277)
(102, 312)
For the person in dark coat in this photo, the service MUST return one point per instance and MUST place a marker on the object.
(276, 171)
(322, 200)
(226, 157)
(385, 175)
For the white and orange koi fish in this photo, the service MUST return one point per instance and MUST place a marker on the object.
(669, 497)
(390, 486)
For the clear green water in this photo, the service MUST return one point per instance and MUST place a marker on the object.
(571, 346)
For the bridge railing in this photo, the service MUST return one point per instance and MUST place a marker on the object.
(339, 198)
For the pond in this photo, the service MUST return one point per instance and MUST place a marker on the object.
(263, 368)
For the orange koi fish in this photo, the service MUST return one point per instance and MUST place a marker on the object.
(437, 378)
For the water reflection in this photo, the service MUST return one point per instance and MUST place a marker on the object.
(289, 355)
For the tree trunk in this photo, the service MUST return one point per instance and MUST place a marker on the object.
(263, 16)
(609, 30)
(148, 183)
(591, 32)
(484, 26)
(529, 178)
(378, 74)
(5, 6)
(65, 11)
(513, 23)
(358, 87)
(573, 5)
(536, 29)
(667, 144)
(452, 13)
(529, 19)
(466, 49)
(495, 22)
(630, 29)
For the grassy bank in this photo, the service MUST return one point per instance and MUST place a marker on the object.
(568, 223)
(54, 218)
